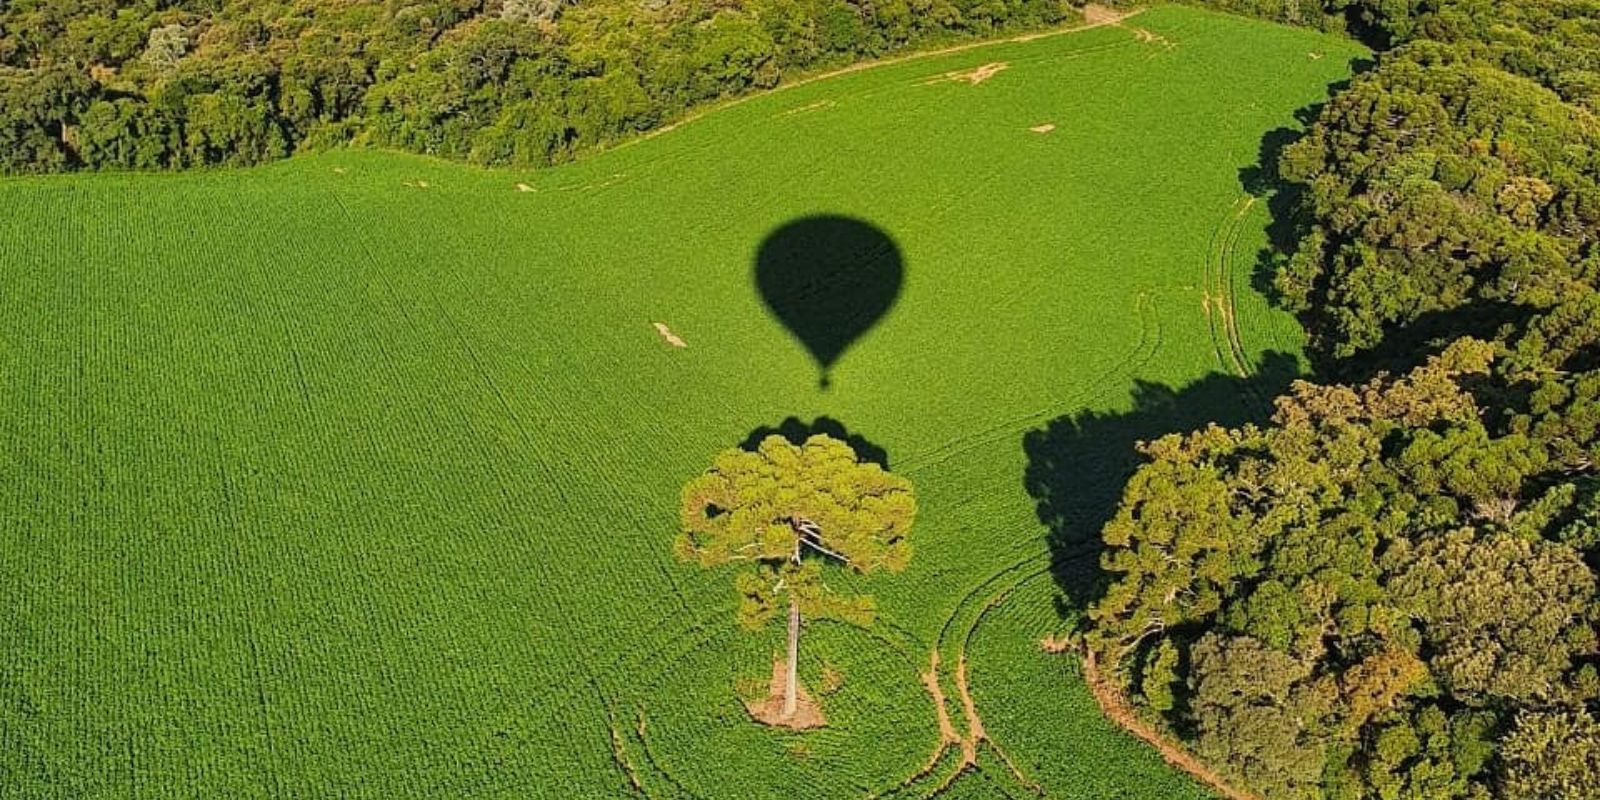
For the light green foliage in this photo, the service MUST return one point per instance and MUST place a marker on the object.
(324, 483)
(1506, 616)
(168, 44)
(1159, 674)
(747, 508)
(1552, 755)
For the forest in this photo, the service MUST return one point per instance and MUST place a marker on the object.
(151, 84)
(1389, 588)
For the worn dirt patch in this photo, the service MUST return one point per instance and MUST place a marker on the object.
(667, 334)
(769, 711)
(1151, 37)
(1096, 14)
(975, 731)
(947, 729)
(973, 76)
(817, 106)
(614, 179)
(1045, 128)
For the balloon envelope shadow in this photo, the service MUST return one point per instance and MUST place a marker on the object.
(828, 279)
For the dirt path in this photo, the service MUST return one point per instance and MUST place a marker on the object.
(1094, 16)
(1217, 289)
(1116, 709)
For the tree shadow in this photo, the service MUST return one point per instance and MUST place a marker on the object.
(797, 432)
(1079, 463)
(1408, 344)
(1264, 179)
(828, 279)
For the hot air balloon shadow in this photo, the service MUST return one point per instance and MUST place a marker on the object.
(828, 280)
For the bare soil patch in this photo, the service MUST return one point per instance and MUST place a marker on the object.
(1096, 14)
(614, 179)
(1151, 37)
(1045, 128)
(973, 76)
(817, 106)
(947, 729)
(975, 732)
(1117, 17)
(769, 710)
(668, 335)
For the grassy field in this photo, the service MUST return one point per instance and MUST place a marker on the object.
(356, 476)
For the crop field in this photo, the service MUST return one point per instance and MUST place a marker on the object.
(357, 475)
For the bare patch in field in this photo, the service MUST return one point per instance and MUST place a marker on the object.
(1096, 14)
(973, 76)
(817, 106)
(1045, 128)
(1151, 37)
(769, 710)
(668, 335)
(612, 180)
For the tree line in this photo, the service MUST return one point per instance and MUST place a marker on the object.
(1389, 590)
(156, 84)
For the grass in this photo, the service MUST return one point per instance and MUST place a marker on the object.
(356, 475)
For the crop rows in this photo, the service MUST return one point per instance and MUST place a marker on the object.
(356, 475)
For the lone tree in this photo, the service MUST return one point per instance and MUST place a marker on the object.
(789, 509)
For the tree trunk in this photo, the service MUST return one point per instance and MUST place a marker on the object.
(791, 689)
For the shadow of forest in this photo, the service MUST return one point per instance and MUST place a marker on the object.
(1078, 464)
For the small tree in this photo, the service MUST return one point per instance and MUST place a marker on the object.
(787, 510)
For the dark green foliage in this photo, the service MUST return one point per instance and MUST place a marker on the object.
(1438, 185)
(1362, 591)
(1390, 590)
(109, 85)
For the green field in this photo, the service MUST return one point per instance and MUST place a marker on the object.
(356, 475)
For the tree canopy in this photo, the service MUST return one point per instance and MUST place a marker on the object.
(786, 510)
(1389, 590)
(139, 84)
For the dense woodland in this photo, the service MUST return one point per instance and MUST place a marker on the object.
(155, 84)
(1389, 590)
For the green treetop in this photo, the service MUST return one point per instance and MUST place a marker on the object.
(787, 510)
